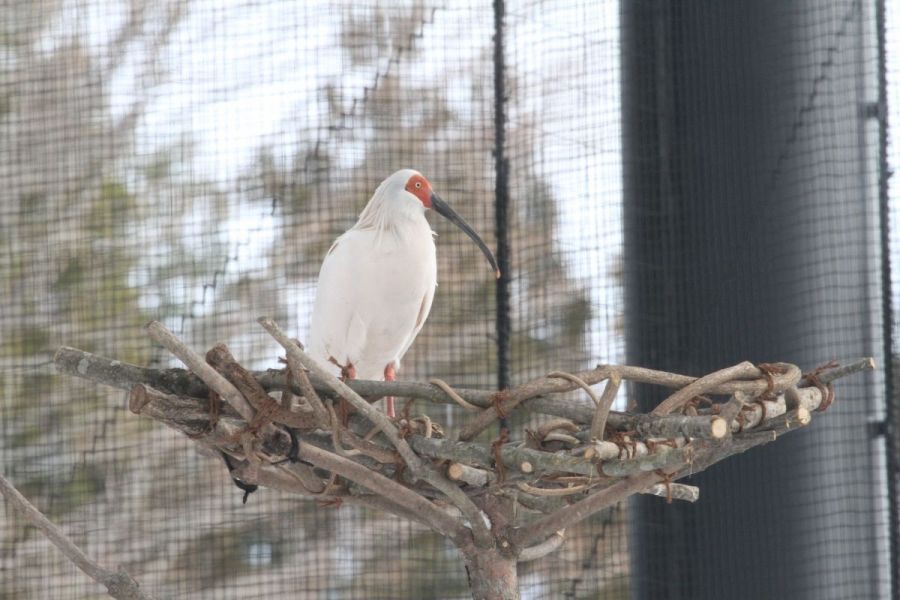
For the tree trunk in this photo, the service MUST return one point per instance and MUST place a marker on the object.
(491, 575)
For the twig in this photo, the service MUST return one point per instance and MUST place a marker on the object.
(123, 375)
(554, 424)
(220, 358)
(119, 584)
(342, 390)
(195, 363)
(863, 364)
(451, 393)
(733, 407)
(336, 435)
(602, 404)
(305, 475)
(480, 455)
(381, 485)
(755, 413)
(675, 491)
(295, 364)
(417, 468)
(579, 382)
(516, 396)
(704, 385)
(551, 544)
(538, 491)
(663, 458)
(666, 426)
(285, 478)
(471, 475)
(598, 424)
(574, 513)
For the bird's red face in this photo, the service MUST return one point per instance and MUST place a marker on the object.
(419, 187)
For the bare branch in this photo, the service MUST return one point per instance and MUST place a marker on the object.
(195, 363)
(179, 382)
(704, 385)
(119, 584)
(480, 455)
(295, 363)
(416, 466)
(675, 491)
(598, 424)
(342, 390)
(510, 399)
(220, 358)
(386, 488)
(577, 512)
(551, 544)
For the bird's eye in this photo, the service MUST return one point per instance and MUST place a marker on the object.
(418, 185)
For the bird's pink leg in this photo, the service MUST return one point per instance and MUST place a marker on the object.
(390, 374)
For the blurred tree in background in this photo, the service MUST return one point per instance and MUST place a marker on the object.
(96, 238)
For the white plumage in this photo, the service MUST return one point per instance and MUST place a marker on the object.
(378, 280)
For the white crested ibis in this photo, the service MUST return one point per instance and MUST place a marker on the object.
(377, 281)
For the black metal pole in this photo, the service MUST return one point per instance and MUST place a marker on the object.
(501, 201)
(891, 427)
(748, 229)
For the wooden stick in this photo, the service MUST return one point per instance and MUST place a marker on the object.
(481, 456)
(341, 389)
(195, 363)
(675, 491)
(386, 488)
(574, 513)
(180, 382)
(470, 475)
(119, 584)
(669, 426)
(663, 458)
(551, 544)
(512, 398)
(704, 385)
(220, 358)
(862, 364)
(295, 364)
(733, 407)
(598, 424)
(556, 491)
(417, 468)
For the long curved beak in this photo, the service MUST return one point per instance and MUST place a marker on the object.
(443, 209)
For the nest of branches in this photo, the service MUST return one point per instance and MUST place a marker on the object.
(300, 429)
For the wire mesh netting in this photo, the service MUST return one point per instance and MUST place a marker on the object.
(192, 161)
(754, 223)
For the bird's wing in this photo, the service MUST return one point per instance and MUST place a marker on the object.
(334, 319)
(424, 311)
(371, 300)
